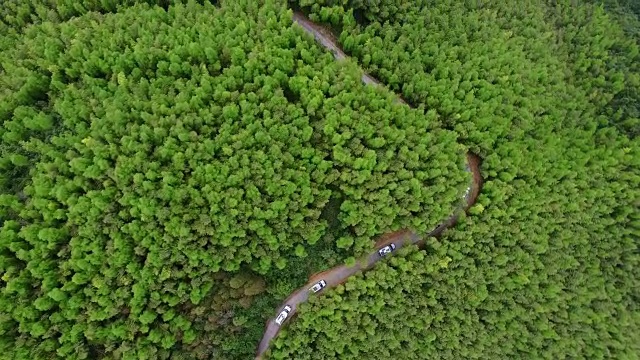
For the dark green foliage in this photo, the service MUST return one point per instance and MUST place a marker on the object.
(630, 8)
(610, 68)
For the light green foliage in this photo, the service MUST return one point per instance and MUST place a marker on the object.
(395, 308)
(161, 164)
(546, 265)
(384, 156)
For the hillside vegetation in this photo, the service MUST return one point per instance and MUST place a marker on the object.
(170, 173)
(546, 266)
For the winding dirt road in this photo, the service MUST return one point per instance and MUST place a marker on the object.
(340, 274)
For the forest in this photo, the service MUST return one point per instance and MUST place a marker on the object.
(547, 265)
(170, 171)
(161, 165)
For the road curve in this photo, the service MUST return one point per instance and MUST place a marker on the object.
(340, 274)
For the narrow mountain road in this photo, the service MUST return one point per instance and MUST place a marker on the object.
(340, 274)
(326, 39)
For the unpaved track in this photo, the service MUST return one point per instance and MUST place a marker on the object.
(326, 39)
(340, 274)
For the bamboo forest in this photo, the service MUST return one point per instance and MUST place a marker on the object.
(175, 175)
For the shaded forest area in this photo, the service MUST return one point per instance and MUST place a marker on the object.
(170, 172)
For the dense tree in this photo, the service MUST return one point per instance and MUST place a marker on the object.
(396, 308)
(163, 163)
(546, 265)
(171, 170)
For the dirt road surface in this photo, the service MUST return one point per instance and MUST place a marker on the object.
(326, 39)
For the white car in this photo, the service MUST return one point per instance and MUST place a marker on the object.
(318, 286)
(387, 249)
(283, 315)
(466, 193)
